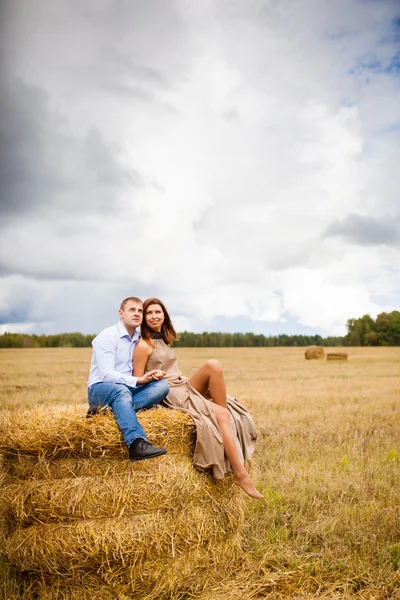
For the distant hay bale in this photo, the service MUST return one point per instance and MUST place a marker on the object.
(314, 352)
(81, 521)
(337, 356)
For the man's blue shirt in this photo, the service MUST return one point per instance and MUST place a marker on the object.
(112, 356)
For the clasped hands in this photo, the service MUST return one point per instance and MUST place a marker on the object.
(154, 375)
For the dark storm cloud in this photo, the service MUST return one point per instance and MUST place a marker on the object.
(120, 74)
(365, 230)
(20, 168)
(107, 46)
(69, 305)
(115, 62)
(41, 166)
(99, 43)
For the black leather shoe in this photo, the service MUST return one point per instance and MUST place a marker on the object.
(98, 410)
(141, 449)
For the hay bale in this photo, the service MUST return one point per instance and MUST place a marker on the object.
(105, 544)
(54, 432)
(82, 521)
(170, 483)
(184, 576)
(337, 356)
(22, 466)
(314, 352)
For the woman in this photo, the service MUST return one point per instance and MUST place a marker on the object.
(226, 434)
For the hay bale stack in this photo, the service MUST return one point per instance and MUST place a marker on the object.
(314, 352)
(337, 356)
(82, 521)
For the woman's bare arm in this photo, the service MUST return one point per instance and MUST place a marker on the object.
(140, 356)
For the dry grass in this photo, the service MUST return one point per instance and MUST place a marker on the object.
(328, 462)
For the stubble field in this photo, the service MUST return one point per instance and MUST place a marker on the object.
(327, 462)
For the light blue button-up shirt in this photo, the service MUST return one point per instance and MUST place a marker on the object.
(112, 356)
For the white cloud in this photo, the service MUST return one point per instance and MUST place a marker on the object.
(17, 327)
(316, 302)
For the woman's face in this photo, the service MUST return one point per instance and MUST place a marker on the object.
(154, 317)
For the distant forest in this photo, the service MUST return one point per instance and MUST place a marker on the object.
(384, 331)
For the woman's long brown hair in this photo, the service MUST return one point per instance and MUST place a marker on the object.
(167, 329)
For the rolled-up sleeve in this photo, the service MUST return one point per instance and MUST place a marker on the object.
(105, 352)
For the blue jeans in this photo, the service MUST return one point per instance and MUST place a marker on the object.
(125, 401)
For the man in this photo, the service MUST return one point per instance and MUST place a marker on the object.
(111, 382)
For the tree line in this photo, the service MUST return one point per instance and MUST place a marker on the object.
(58, 340)
(186, 340)
(365, 331)
(250, 340)
(383, 331)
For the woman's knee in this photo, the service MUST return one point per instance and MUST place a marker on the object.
(214, 366)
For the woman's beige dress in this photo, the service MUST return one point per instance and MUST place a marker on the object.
(209, 448)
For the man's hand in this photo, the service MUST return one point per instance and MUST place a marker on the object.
(154, 375)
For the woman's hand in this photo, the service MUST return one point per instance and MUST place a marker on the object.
(154, 375)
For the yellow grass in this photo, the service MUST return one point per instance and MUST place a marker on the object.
(327, 461)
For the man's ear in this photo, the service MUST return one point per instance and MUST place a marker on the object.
(119, 313)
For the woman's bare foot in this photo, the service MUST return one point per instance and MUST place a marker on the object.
(248, 486)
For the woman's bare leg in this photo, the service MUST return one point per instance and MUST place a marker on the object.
(210, 377)
(241, 477)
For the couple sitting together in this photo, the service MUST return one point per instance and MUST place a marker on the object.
(129, 372)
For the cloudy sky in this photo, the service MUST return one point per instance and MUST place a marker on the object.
(239, 159)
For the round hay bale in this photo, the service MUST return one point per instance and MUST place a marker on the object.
(337, 356)
(314, 352)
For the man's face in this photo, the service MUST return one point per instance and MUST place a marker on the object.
(131, 315)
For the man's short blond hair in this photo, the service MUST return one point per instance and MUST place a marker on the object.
(133, 298)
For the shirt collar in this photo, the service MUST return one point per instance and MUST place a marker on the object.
(123, 332)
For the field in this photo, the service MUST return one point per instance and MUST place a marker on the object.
(327, 462)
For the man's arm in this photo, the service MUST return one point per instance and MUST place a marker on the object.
(105, 350)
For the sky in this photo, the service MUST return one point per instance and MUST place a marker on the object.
(238, 159)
